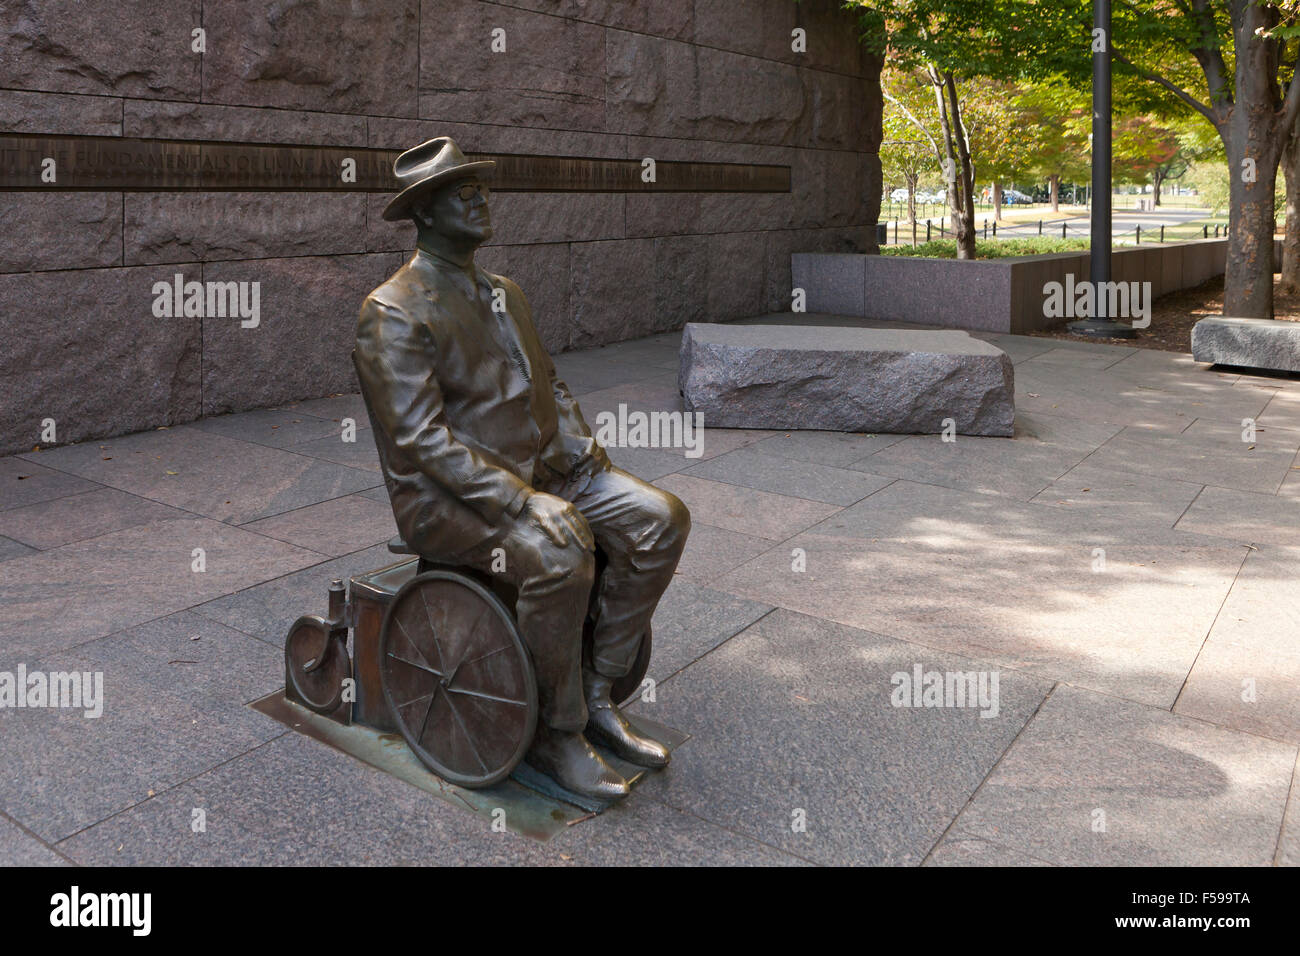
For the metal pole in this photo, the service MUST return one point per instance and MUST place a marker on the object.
(1101, 325)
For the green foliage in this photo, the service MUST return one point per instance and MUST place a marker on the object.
(1210, 180)
(990, 249)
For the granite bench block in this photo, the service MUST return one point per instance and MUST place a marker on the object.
(1248, 343)
(846, 379)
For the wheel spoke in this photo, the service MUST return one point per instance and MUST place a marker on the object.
(469, 738)
(421, 667)
(420, 697)
(414, 646)
(427, 711)
(433, 629)
(480, 694)
(483, 657)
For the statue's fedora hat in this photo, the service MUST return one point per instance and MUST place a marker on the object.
(427, 167)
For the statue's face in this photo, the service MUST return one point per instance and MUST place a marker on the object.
(459, 211)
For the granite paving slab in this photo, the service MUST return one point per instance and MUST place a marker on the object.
(1109, 396)
(997, 466)
(296, 802)
(734, 508)
(163, 721)
(24, 482)
(9, 548)
(267, 609)
(1244, 516)
(1091, 488)
(1224, 461)
(88, 514)
(20, 848)
(361, 455)
(839, 449)
(1074, 359)
(209, 474)
(1288, 844)
(711, 552)
(644, 832)
(1246, 674)
(752, 468)
(83, 591)
(277, 427)
(1094, 781)
(336, 527)
(649, 463)
(1012, 582)
(692, 620)
(335, 408)
(968, 851)
(795, 714)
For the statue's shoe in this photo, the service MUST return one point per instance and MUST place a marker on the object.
(569, 760)
(606, 725)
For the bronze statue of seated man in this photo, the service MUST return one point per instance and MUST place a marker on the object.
(490, 465)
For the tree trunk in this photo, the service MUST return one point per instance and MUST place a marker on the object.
(997, 201)
(1248, 284)
(959, 169)
(1158, 176)
(911, 197)
(1055, 181)
(1291, 244)
(1254, 139)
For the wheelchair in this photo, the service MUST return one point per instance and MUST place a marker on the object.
(436, 657)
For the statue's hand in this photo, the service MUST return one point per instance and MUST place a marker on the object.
(559, 520)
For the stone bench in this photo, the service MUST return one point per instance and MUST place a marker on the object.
(1248, 343)
(846, 379)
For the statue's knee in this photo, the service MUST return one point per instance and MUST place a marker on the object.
(572, 565)
(672, 520)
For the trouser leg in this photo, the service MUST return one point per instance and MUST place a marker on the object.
(554, 586)
(642, 530)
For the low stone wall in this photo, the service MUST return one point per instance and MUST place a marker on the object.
(702, 80)
(990, 295)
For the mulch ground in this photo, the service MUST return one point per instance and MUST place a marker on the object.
(1173, 315)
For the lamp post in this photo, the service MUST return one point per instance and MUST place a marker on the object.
(1101, 325)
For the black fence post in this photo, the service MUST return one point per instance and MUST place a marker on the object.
(1063, 228)
(1040, 227)
(1162, 232)
(1139, 235)
(927, 230)
(1205, 231)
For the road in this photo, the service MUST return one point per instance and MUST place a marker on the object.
(1124, 223)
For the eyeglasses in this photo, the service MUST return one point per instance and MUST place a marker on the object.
(469, 190)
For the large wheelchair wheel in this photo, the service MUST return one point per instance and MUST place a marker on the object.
(457, 678)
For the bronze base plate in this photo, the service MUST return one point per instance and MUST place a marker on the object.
(535, 806)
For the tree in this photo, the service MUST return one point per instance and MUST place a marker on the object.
(909, 147)
(940, 39)
(1241, 48)
(1059, 116)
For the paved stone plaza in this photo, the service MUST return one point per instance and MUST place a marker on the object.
(1127, 565)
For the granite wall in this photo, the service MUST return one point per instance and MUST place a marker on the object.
(707, 80)
(992, 295)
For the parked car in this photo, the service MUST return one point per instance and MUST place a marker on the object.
(898, 195)
(1012, 197)
(934, 196)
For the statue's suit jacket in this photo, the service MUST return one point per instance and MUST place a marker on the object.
(459, 425)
